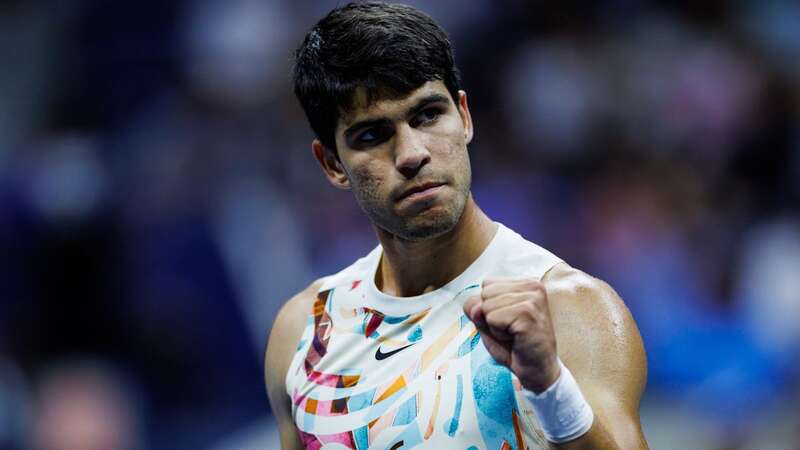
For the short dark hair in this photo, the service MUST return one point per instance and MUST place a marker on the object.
(387, 49)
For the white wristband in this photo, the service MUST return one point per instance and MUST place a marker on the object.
(562, 411)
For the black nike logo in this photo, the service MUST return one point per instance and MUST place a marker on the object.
(379, 355)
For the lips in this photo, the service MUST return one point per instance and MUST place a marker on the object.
(418, 188)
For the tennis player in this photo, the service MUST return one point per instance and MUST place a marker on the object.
(454, 332)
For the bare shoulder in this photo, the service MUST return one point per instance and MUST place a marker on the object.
(285, 334)
(596, 335)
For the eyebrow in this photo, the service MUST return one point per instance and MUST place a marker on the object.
(412, 111)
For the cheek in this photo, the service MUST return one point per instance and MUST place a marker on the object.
(456, 157)
(449, 139)
(368, 180)
(451, 148)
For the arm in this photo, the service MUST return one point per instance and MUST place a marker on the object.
(528, 325)
(283, 339)
(599, 341)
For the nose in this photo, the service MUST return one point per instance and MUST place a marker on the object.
(410, 152)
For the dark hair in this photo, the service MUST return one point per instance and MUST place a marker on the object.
(387, 49)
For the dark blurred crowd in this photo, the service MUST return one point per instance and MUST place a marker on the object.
(159, 202)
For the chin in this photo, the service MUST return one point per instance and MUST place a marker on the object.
(417, 234)
(428, 225)
(432, 222)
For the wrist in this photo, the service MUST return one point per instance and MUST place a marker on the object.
(561, 408)
(542, 379)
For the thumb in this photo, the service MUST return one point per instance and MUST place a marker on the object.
(470, 304)
(473, 310)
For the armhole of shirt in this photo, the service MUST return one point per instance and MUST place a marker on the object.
(299, 355)
(550, 265)
(328, 283)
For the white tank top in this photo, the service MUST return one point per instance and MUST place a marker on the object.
(381, 372)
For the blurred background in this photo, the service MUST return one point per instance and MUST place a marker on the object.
(159, 202)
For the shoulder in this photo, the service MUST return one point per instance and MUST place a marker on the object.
(577, 293)
(286, 332)
(296, 308)
(291, 318)
(596, 335)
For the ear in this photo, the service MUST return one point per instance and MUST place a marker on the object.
(466, 118)
(331, 165)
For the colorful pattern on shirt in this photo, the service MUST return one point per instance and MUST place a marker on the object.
(365, 379)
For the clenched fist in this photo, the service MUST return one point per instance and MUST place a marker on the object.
(513, 318)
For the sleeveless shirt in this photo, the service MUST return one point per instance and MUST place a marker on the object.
(373, 371)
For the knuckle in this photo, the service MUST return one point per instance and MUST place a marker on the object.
(528, 308)
(519, 326)
(534, 286)
(532, 307)
(495, 320)
(488, 304)
(522, 297)
(528, 297)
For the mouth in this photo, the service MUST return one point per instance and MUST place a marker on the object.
(419, 190)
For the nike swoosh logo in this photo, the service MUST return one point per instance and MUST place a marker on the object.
(379, 355)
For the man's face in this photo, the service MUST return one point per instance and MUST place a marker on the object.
(406, 160)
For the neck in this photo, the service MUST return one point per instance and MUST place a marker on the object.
(410, 268)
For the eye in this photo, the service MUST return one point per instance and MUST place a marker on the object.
(426, 116)
(372, 136)
(367, 136)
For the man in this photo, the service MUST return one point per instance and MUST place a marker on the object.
(455, 332)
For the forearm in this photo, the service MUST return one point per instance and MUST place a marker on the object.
(596, 438)
(571, 420)
(622, 434)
